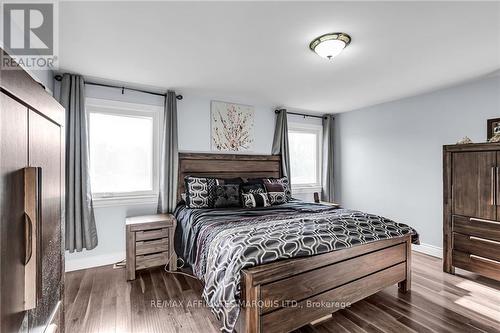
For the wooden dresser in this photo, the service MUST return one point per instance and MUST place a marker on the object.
(150, 242)
(472, 208)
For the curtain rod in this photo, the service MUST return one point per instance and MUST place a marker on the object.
(179, 97)
(302, 114)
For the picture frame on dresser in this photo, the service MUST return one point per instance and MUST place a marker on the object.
(491, 125)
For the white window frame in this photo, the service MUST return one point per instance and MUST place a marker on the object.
(318, 130)
(104, 106)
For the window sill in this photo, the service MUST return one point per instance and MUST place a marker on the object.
(306, 189)
(99, 202)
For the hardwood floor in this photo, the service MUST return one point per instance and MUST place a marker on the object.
(101, 300)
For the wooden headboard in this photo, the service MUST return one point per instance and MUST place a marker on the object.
(226, 166)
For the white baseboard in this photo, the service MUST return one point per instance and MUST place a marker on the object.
(93, 261)
(431, 250)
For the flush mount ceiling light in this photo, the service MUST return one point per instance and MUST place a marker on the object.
(330, 45)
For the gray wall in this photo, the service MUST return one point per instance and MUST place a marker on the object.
(388, 157)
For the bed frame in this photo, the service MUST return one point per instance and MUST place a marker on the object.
(287, 294)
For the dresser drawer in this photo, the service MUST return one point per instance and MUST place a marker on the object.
(151, 234)
(478, 264)
(151, 260)
(476, 245)
(151, 246)
(476, 227)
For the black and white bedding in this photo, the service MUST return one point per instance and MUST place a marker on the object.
(219, 243)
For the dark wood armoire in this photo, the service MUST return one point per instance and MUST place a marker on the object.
(31, 205)
(472, 208)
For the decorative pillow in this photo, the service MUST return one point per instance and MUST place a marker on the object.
(200, 192)
(227, 196)
(230, 181)
(283, 181)
(255, 180)
(253, 188)
(252, 200)
(276, 193)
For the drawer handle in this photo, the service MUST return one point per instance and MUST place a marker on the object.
(473, 219)
(484, 240)
(150, 230)
(152, 255)
(473, 256)
(153, 241)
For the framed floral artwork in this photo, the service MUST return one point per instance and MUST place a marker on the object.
(232, 126)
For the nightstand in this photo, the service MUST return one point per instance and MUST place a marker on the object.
(150, 242)
(317, 200)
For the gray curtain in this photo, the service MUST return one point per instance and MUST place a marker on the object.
(81, 231)
(280, 142)
(327, 193)
(169, 160)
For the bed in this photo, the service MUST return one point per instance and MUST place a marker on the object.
(275, 269)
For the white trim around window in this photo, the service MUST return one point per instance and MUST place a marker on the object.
(103, 106)
(316, 129)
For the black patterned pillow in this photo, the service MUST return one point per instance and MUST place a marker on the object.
(253, 188)
(276, 193)
(252, 200)
(255, 180)
(227, 196)
(283, 181)
(200, 192)
(230, 181)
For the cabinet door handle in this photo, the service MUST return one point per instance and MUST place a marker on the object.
(492, 187)
(28, 238)
(32, 181)
(497, 185)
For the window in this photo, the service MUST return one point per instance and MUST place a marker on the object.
(123, 149)
(305, 142)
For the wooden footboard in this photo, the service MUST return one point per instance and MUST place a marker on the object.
(285, 295)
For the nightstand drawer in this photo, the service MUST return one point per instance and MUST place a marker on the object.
(151, 234)
(151, 246)
(151, 260)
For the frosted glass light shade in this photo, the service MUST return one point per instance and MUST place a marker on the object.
(330, 45)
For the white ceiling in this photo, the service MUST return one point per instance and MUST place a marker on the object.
(258, 52)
